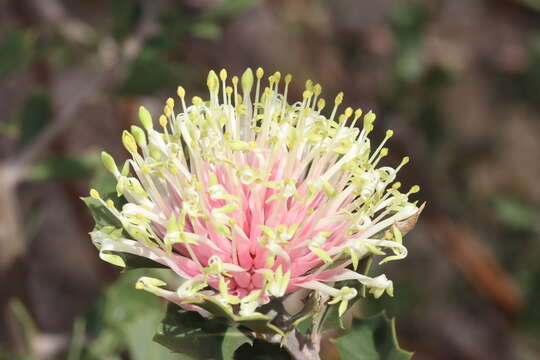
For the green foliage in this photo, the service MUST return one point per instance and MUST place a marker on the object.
(25, 325)
(151, 72)
(188, 333)
(227, 9)
(408, 22)
(77, 340)
(206, 30)
(259, 323)
(34, 116)
(532, 4)
(64, 167)
(372, 338)
(261, 350)
(15, 51)
(126, 318)
(524, 86)
(125, 14)
(514, 213)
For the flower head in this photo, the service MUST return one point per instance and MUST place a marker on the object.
(248, 196)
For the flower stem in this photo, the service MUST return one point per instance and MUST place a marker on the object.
(302, 346)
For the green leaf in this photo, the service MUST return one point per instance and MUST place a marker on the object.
(261, 350)
(35, 115)
(64, 168)
(102, 215)
(187, 332)
(26, 328)
(372, 338)
(206, 30)
(228, 9)
(15, 50)
(125, 318)
(137, 262)
(125, 15)
(77, 339)
(232, 341)
(515, 213)
(138, 337)
(151, 72)
(258, 323)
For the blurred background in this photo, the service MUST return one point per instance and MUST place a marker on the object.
(458, 81)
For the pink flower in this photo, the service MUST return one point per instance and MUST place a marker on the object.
(246, 197)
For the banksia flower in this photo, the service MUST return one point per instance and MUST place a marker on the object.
(248, 197)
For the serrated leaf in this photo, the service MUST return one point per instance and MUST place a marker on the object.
(188, 333)
(258, 323)
(372, 338)
(232, 341)
(261, 350)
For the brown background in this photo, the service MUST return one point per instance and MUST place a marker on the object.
(458, 81)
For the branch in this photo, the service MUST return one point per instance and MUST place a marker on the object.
(15, 168)
(53, 13)
(110, 73)
(298, 345)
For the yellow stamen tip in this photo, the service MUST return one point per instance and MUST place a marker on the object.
(339, 98)
(167, 110)
(129, 142)
(94, 194)
(181, 92)
(223, 74)
(163, 120)
(321, 104)
(405, 160)
(196, 100)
